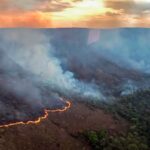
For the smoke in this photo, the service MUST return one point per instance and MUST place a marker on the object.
(129, 88)
(32, 52)
(128, 48)
(37, 67)
(107, 58)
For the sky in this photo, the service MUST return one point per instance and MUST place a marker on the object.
(74, 13)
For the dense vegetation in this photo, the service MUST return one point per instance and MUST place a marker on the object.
(102, 140)
(136, 109)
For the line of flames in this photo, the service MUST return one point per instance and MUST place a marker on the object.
(46, 113)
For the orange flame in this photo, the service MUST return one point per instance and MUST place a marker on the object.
(46, 113)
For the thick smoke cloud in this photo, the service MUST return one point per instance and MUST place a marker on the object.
(109, 58)
(128, 48)
(32, 52)
(37, 67)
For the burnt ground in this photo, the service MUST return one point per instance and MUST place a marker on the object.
(60, 130)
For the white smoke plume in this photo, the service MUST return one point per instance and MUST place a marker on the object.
(31, 50)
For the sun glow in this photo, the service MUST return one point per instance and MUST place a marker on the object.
(81, 9)
(91, 4)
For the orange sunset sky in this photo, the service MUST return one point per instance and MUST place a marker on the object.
(74, 13)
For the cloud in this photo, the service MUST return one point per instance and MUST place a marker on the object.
(30, 5)
(128, 6)
(31, 19)
(119, 4)
(7, 5)
(54, 6)
(74, 13)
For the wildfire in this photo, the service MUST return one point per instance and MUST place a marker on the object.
(46, 113)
